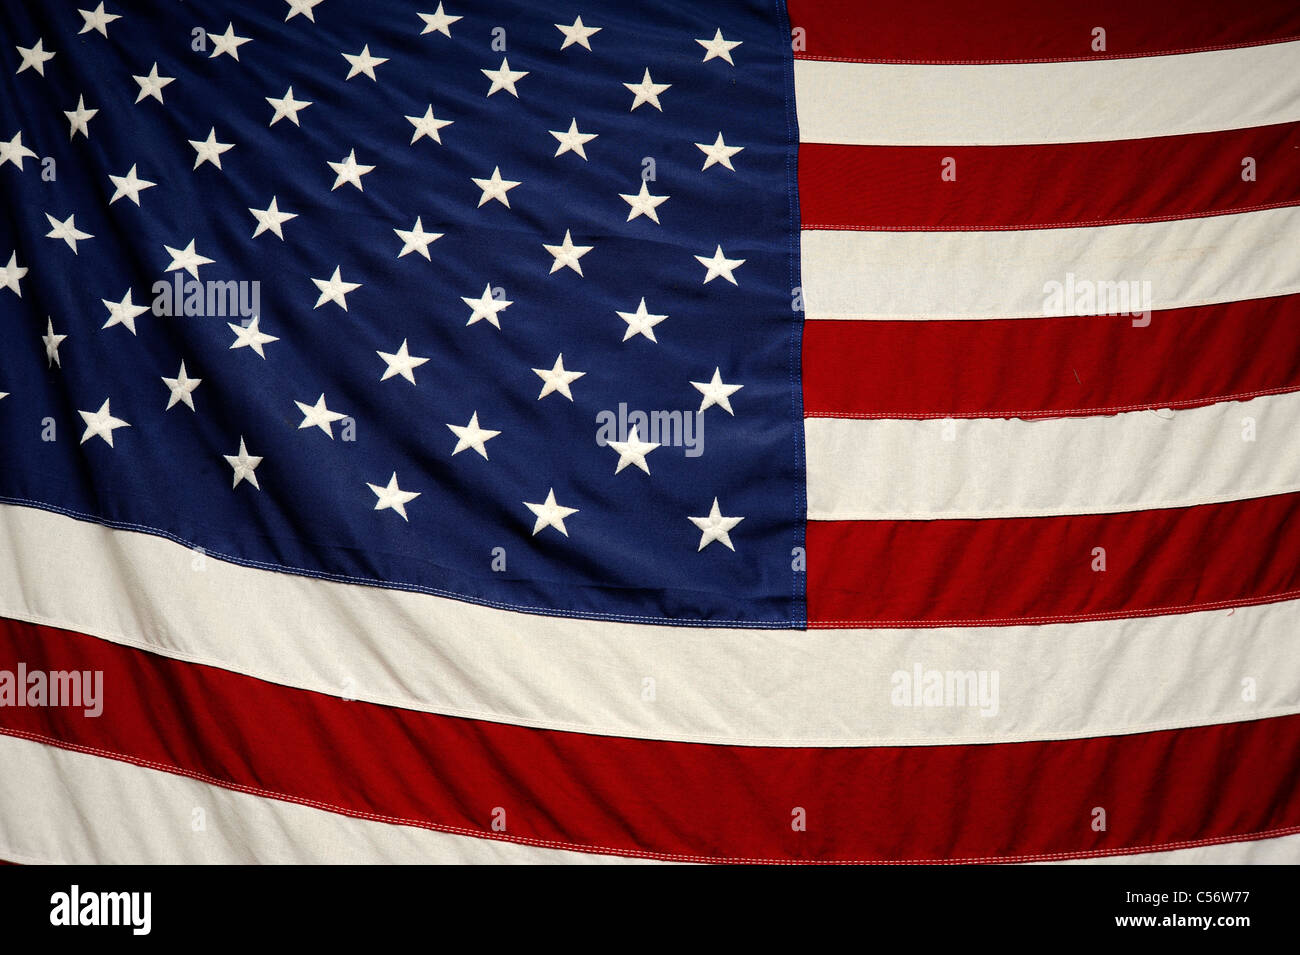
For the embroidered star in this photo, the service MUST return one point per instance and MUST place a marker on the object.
(428, 125)
(363, 62)
(226, 42)
(270, 219)
(97, 20)
(647, 91)
(52, 342)
(334, 289)
(640, 322)
(250, 336)
(66, 230)
(632, 451)
(243, 463)
(716, 393)
(719, 154)
(152, 85)
(129, 186)
(643, 204)
(14, 151)
(567, 254)
(123, 312)
(579, 33)
(550, 514)
(182, 389)
(472, 436)
(34, 57)
(187, 259)
(486, 307)
(504, 78)
(393, 496)
(401, 362)
(349, 170)
(79, 119)
(286, 107)
(718, 47)
(301, 6)
(495, 188)
(557, 379)
(319, 416)
(715, 527)
(11, 273)
(438, 22)
(209, 150)
(416, 239)
(719, 264)
(101, 424)
(573, 140)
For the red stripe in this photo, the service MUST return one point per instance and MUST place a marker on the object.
(1064, 184)
(1023, 31)
(677, 800)
(1037, 367)
(1031, 570)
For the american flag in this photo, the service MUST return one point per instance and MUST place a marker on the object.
(594, 432)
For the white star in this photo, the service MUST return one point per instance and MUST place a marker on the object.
(557, 378)
(715, 527)
(363, 62)
(647, 91)
(226, 42)
(486, 307)
(14, 151)
(428, 125)
(319, 416)
(66, 230)
(286, 107)
(495, 188)
(550, 514)
(209, 150)
(719, 264)
(579, 33)
(640, 322)
(79, 118)
(719, 153)
(52, 342)
(11, 273)
(334, 289)
(718, 47)
(632, 451)
(716, 393)
(567, 254)
(34, 57)
(573, 140)
(249, 336)
(97, 20)
(349, 170)
(393, 496)
(182, 389)
(129, 186)
(401, 362)
(416, 239)
(643, 204)
(152, 85)
(301, 6)
(270, 219)
(123, 312)
(438, 22)
(101, 424)
(187, 259)
(472, 436)
(243, 463)
(504, 78)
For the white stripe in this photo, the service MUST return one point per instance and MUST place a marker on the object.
(894, 469)
(819, 688)
(1280, 850)
(1008, 274)
(1025, 103)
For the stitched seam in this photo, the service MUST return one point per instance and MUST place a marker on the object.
(1240, 45)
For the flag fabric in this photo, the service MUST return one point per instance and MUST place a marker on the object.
(649, 432)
